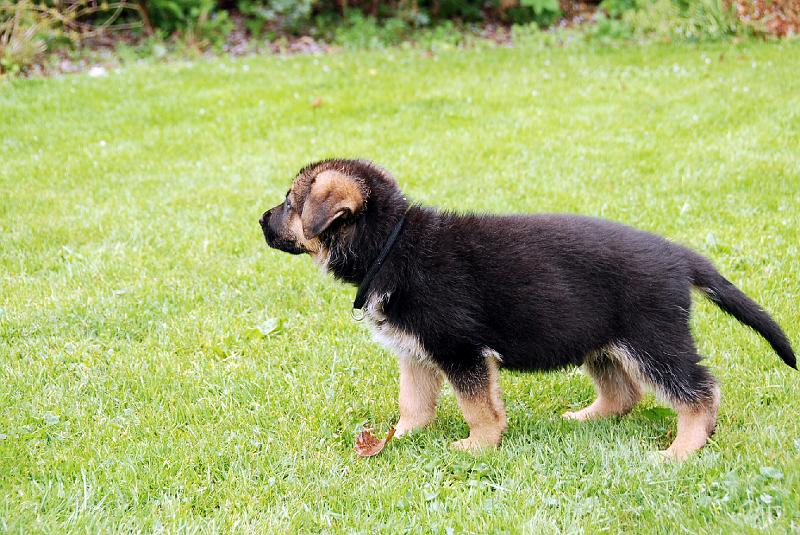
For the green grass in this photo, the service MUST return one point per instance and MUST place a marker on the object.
(135, 393)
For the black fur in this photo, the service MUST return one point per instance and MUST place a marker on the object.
(543, 291)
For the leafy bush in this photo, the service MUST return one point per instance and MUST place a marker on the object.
(30, 28)
(422, 13)
(370, 15)
(200, 23)
(457, 9)
(358, 31)
(289, 15)
(545, 12)
(171, 15)
(616, 8)
(709, 19)
(668, 20)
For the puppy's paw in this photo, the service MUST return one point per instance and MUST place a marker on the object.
(405, 427)
(595, 411)
(402, 430)
(580, 416)
(674, 455)
(472, 445)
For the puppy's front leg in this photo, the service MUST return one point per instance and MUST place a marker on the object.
(478, 392)
(420, 384)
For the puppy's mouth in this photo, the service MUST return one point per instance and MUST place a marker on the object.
(281, 244)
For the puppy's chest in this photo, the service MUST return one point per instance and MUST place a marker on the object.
(391, 336)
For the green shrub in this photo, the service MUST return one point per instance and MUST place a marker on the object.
(289, 15)
(458, 9)
(542, 12)
(425, 13)
(616, 8)
(359, 31)
(199, 24)
(545, 12)
(710, 19)
(173, 15)
(667, 20)
(29, 28)
(442, 35)
(657, 19)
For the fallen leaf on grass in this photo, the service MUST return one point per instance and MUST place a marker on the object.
(265, 328)
(368, 445)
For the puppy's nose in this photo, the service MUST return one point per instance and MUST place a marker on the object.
(264, 218)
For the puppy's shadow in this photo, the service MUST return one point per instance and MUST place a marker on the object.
(651, 428)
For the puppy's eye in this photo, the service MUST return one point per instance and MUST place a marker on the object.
(288, 204)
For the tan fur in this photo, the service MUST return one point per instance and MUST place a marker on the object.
(617, 392)
(619, 386)
(484, 412)
(331, 195)
(420, 385)
(695, 426)
(345, 186)
(321, 198)
(313, 246)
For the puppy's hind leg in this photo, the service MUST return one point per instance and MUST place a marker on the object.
(695, 397)
(696, 423)
(617, 392)
(477, 389)
(670, 365)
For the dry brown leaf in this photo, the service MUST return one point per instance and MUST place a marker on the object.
(368, 445)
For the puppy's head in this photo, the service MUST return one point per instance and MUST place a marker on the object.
(326, 199)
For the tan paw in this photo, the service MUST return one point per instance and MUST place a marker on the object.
(405, 427)
(675, 454)
(402, 430)
(471, 445)
(581, 416)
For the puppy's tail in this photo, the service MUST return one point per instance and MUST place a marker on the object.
(733, 301)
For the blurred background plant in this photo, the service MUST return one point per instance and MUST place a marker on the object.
(668, 20)
(695, 20)
(776, 17)
(32, 30)
(29, 29)
(21, 41)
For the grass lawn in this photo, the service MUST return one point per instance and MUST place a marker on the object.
(137, 391)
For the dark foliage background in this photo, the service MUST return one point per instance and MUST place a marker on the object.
(31, 30)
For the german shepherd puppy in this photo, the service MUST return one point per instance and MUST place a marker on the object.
(461, 296)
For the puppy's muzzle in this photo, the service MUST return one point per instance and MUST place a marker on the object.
(273, 236)
(269, 234)
(264, 219)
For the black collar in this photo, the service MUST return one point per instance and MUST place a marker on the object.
(363, 288)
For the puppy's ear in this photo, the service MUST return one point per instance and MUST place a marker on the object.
(332, 195)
